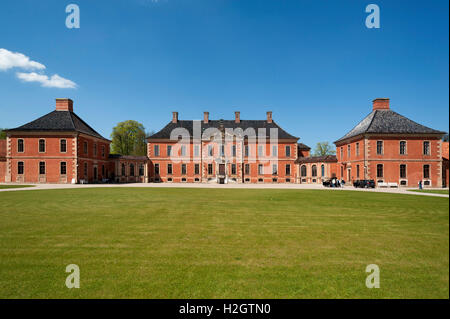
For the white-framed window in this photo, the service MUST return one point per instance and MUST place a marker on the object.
(274, 169)
(63, 168)
(20, 145)
(402, 170)
(41, 145)
(288, 151)
(402, 146)
(303, 171)
(169, 169)
(349, 151)
(247, 151)
(183, 169)
(426, 171)
(260, 169)
(233, 169)
(63, 146)
(196, 150)
(20, 168)
(41, 168)
(156, 150)
(379, 170)
(274, 150)
(314, 171)
(357, 149)
(233, 150)
(379, 147)
(169, 150)
(288, 169)
(426, 148)
(260, 150)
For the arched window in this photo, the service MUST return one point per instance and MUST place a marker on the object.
(322, 168)
(123, 169)
(131, 169)
(303, 171)
(314, 171)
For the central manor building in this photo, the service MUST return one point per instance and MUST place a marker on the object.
(60, 147)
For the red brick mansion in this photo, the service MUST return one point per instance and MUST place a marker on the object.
(60, 147)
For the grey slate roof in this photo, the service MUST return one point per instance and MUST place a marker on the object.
(388, 121)
(58, 121)
(317, 159)
(303, 147)
(230, 124)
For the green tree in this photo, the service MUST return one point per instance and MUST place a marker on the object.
(2, 134)
(128, 138)
(323, 149)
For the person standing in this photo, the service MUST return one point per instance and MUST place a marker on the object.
(420, 184)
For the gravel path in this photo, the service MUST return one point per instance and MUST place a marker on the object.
(214, 185)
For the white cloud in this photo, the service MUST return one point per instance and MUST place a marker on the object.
(10, 60)
(55, 81)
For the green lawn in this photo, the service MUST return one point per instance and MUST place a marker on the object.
(434, 191)
(15, 186)
(222, 243)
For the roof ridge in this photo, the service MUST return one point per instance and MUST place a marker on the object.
(371, 121)
(71, 120)
(88, 126)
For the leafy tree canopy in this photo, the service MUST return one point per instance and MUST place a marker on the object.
(2, 134)
(323, 149)
(128, 138)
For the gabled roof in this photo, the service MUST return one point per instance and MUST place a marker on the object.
(58, 121)
(388, 121)
(227, 124)
(317, 159)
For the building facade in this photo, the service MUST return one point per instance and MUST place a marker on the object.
(387, 147)
(390, 148)
(222, 151)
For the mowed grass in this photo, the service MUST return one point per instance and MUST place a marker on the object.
(222, 243)
(434, 191)
(15, 186)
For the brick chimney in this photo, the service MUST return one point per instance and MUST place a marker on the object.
(237, 117)
(64, 105)
(381, 104)
(174, 117)
(269, 117)
(205, 117)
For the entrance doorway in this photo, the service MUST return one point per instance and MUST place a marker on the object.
(222, 169)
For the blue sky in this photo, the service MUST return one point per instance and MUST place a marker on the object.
(313, 63)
